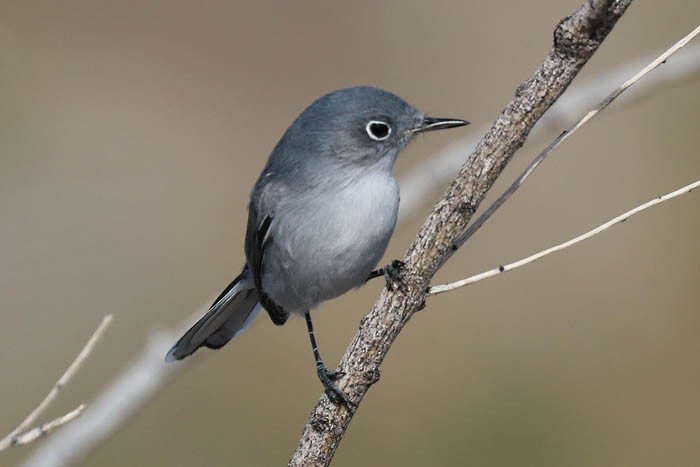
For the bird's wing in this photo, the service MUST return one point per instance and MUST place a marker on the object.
(258, 238)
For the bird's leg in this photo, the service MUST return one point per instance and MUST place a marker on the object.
(374, 274)
(327, 376)
(391, 273)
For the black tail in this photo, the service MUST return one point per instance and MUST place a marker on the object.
(228, 316)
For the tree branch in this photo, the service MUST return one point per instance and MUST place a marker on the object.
(576, 38)
(571, 130)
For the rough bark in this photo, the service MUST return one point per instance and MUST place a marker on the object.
(576, 38)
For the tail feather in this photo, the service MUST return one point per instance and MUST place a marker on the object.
(229, 316)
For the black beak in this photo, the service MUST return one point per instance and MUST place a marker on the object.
(431, 124)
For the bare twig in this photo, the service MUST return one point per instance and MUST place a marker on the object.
(438, 289)
(12, 438)
(36, 433)
(569, 131)
(140, 380)
(576, 38)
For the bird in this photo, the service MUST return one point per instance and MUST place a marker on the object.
(320, 217)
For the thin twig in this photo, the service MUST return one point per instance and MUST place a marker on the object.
(568, 132)
(43, 430)
(438, 289)
(10, 440)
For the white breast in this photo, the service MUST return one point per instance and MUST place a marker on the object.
(370, 205)
(328, 244)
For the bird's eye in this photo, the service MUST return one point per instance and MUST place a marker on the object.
(378, 131)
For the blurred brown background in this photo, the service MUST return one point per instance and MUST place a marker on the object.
(131, 133)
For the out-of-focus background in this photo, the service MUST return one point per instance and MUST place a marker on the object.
(131, 133)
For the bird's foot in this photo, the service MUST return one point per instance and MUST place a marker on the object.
(393, 275)
(328, 379)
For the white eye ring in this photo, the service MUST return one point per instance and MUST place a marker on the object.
(378, 130)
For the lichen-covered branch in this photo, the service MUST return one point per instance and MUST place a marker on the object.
(576, 38)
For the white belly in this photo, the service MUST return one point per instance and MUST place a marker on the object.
(330, 243)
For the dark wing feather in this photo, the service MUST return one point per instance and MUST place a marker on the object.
(257, 239)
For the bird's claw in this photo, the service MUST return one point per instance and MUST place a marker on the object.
(393, 275)
(328, 379)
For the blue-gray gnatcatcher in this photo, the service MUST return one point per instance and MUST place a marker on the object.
(319, 217)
